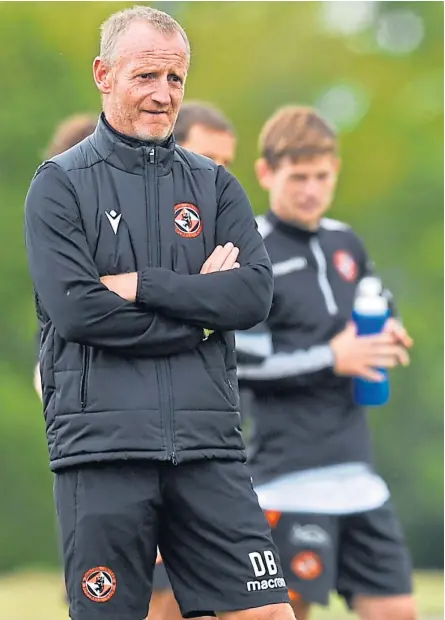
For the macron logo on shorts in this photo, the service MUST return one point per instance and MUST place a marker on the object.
(265, 584)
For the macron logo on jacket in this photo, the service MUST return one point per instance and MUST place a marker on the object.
(114, 219)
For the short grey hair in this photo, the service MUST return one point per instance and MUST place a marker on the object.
(117, 24)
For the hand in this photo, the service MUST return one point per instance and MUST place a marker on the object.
(124, 285)
(401, 336)
(37, 381)
(222, 258)
(360, 356)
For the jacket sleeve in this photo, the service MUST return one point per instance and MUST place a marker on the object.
(261, 367)
(67, 282)
(264, 366)
(235, 299)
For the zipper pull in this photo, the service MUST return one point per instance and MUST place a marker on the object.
(151, 156)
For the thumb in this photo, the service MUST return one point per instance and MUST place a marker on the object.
(351, 328)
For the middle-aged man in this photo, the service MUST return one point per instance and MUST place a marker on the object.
(144, 258)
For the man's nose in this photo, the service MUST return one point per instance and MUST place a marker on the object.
(311, 187)
(162, 93)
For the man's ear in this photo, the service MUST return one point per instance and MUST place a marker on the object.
(264, 173)
(102, 76)
(338, 165)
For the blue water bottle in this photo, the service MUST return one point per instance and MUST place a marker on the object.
(370, 314)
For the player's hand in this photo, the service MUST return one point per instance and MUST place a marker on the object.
(401, 336)
(222, 258)
(360, 356)
(37, 381)
(124, 285)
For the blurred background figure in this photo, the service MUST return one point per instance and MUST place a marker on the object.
(374, 70)
(310, 450)
(203, 129)
(68, 133)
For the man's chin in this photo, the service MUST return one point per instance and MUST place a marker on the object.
(152, 134)
(309, 221)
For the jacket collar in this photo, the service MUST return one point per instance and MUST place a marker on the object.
(290, 228)
(130, 154)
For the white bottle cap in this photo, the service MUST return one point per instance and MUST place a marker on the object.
(369, 287)
(369, 298)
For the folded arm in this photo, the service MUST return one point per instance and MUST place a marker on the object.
(224, 300)
(67, 282)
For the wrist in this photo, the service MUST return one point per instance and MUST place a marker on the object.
(138, 287)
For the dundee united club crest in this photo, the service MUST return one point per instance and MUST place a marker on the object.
(345, 265)
(187, 220)
(307, 565)
(99, 584)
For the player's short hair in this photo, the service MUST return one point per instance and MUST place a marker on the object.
(297, 132)
(115, 26)
(193, 113)
(69, 132)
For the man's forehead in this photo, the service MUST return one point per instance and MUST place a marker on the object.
(142, 40)
(308, 164)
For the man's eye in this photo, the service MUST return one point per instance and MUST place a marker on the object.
(175, 78)
(145, 76)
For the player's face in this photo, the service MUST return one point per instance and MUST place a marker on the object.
(302, 191)
(217, 145)
(143, 89)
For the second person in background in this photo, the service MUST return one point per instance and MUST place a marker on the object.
(310, 453)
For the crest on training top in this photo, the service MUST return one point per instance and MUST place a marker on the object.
(187, 220)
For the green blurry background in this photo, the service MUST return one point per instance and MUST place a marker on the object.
(376, 70)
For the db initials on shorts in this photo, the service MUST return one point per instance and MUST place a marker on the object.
(264, 564)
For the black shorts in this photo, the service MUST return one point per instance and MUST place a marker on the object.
(204, 516)
(362, 553)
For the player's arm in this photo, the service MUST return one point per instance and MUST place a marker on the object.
(262, 367)
(220, 300)
(67, 282)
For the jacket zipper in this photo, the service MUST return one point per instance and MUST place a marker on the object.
(84, 377)
(162, 366)
(323, 282)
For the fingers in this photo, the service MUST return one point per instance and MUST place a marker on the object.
(221, 259)
(371, 374)
(230, 261)
(387, 356)
(400, 334)
(378, 340)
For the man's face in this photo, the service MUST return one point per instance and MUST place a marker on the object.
(217, 145)
(144, 87)
(302, 191)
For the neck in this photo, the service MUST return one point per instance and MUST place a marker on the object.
(132, 140)
(293, 221)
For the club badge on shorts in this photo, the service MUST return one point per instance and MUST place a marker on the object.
(99, 584)
(345, 265)
(187, 220)
(307, 565)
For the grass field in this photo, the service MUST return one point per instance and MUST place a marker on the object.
(38, 596)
